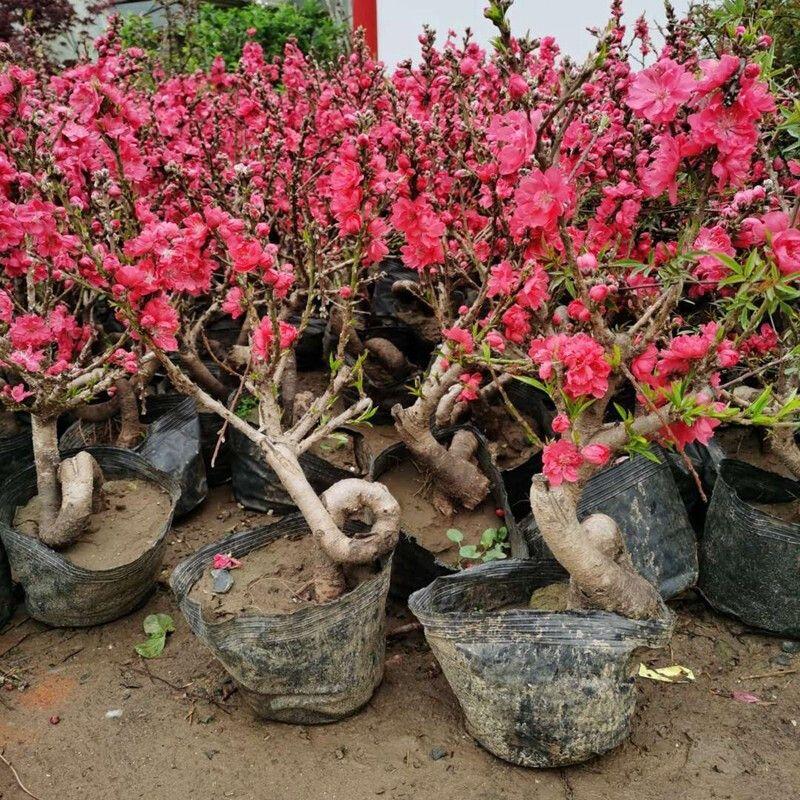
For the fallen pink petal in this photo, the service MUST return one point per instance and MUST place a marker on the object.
(225, 561)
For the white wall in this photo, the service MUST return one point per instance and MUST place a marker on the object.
(400, 21)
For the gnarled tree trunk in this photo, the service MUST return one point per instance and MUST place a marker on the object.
(326, 516)
(68, 490)
(454, 475)
(593, 552)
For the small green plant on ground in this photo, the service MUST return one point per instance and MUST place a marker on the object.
(491, 547)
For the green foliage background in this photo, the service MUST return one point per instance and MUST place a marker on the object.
(194, 39)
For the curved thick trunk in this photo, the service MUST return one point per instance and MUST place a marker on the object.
(594, 554)
(68, 490)
(455, 476)
(326, 515)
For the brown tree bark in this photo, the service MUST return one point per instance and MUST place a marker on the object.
(593, 552)
(131, 429)
(67, 490)
(326, 515)
(458, 478)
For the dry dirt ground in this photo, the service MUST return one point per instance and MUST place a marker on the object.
(184, 733)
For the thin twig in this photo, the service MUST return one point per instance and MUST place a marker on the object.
(16, 777)
(185, 689)
(775, 674)
(402, 630)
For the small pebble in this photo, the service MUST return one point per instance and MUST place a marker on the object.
(222, 581)
(54, 720)
(438, 753)
(791, 646)
(114, 713)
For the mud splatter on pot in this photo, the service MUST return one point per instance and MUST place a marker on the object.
(59, 593)
(537, 689)
(316, 665)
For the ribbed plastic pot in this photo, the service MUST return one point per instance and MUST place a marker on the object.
(56, 591)
(171, 445)
(642, 498)
(537, 689)
(16, 451)
(414, 566)
(258, 488)
(316, 665)
(750, 559)
(7, 603)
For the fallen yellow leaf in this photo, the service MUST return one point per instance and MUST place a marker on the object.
(673, 674)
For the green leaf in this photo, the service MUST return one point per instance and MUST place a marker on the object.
(532, 382)
(468, 551)
(495, 554)
(455, 535)
(153, 647)
(488, 538)
(156, 624)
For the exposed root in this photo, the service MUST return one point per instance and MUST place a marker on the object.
(390, 356)
(81, 480)
(329, 578)
(594, 553)
(458, 478)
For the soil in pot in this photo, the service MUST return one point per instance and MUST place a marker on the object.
(553, 597)
(413, 489)
(170, 440)
(303, 663)
(62, 593)
(745, 444)
(275, 579)
(338, 449)
(133, 513)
